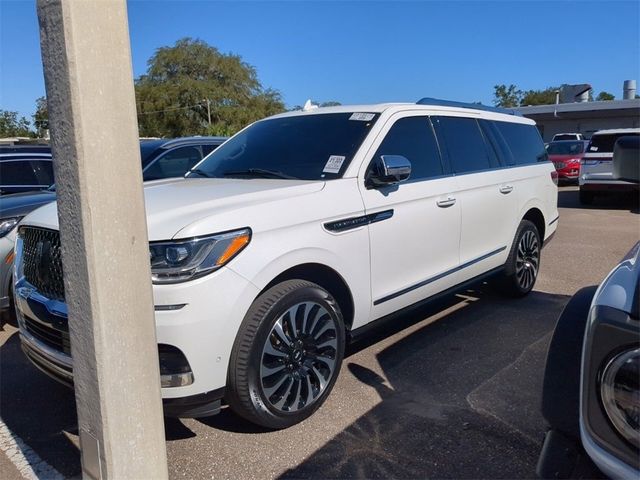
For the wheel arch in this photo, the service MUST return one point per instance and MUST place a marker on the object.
(327, 278)
(535, 216)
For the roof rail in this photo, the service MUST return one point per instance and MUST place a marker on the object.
(475, 106)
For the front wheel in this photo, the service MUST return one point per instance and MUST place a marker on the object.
(287, 355)
(523, 264)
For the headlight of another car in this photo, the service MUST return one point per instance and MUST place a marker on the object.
(182, 260)
(620, 394)
(8, 224)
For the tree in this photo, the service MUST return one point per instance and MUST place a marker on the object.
(11, 125)
(539, 97)
(193, 89)
(41, 117)
(605, 97)
(506, 97)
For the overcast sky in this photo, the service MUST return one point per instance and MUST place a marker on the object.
(369, 52)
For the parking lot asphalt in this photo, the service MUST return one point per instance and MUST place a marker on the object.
(449, 391)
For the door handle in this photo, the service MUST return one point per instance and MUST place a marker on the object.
(506, 189)
(447, 202)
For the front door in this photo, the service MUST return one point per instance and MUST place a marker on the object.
(414, 240)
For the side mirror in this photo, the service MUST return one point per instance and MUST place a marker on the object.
(626, 159)
(389, 170)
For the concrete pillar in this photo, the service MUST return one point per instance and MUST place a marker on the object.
(105, 252)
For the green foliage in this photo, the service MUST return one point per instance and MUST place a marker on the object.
(539, 97)
(13, 126)
(172, 96)
(41, 116)
(605, 97)
(506, 97)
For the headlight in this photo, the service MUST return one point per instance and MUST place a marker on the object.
(620, 393)
(8, 224)
(182, 260)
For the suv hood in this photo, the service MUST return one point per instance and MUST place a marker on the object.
(18, 204)
(174, 204)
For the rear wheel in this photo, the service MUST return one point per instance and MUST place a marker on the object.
(523, 263)
(287, 355)
(586, 197)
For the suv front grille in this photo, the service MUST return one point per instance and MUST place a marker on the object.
(42, 261)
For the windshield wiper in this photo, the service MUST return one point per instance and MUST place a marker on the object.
(258, 172)
(202, 173)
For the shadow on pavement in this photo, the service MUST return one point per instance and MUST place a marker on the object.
(460, 397)
(38, 409)
(609, 201)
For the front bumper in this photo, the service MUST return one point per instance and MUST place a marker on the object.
(200, 319)
(6, 269)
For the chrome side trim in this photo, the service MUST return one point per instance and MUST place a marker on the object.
(164, 308)
(438, 277)
(356, 222)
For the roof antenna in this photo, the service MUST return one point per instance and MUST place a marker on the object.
(309, 106)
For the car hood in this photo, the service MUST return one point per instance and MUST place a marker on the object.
(19, 204)
(211, 204)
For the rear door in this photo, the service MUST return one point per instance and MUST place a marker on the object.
(487, 198)
(597, 164)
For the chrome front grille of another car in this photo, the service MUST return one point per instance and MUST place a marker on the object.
(42, 261)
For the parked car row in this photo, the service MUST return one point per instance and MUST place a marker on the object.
(29, 171)
(299, 233)
(589, 163)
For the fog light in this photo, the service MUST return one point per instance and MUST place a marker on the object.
(175, 370)
(620, 394)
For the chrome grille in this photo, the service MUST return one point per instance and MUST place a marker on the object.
(42, 261)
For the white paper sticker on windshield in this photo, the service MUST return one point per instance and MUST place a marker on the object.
(362, 117)
(333, 164)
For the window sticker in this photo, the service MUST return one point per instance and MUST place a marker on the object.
(362, 117)
(333, 164)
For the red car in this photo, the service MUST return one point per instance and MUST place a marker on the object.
(566, 155)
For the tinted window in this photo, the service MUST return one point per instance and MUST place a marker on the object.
(26, 172)
(565, 136)
(465, 144)
(207, 149)
(174, 163)
(565, 148)
(309, 147)
(604, 143)
(413, 138)
(524, 141)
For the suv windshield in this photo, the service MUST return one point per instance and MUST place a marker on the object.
(565, 148)
(306, 147)
(604, 143)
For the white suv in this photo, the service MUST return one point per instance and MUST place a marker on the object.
(282, 244)
(596, 166)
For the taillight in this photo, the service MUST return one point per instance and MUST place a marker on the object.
(554, 177)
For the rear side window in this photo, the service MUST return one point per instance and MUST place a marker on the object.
(26, 172)
(465, 144)
(174, 163)
(604, 143)
(413, 138)
(524, 141)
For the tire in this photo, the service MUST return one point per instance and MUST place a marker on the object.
(586, 197)
(523, 264)
(287, 355)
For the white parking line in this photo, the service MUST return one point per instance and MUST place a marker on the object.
(28, 462)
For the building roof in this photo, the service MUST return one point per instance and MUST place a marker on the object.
(581, 107)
